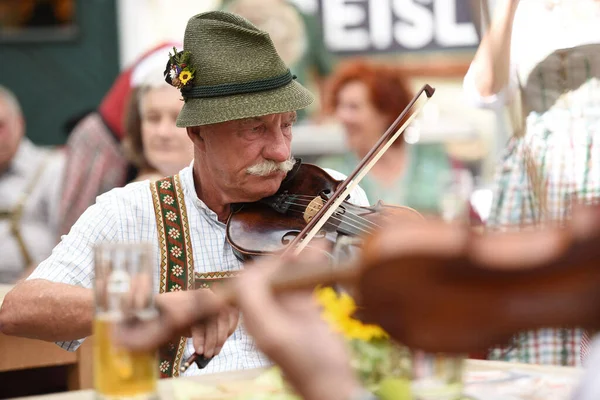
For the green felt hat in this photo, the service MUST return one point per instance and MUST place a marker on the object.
(235, 72)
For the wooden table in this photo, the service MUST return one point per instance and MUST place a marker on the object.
(165, 387)
(19, 354)
(22, 354)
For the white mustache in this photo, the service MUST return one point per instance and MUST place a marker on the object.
(267, 167)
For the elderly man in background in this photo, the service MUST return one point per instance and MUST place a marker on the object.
(30, 191)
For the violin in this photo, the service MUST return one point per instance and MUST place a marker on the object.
(441, 288)
(271, 224)
(311, 204)
(438, 287)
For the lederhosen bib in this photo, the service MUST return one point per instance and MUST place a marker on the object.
(176, 259)
(15, 215)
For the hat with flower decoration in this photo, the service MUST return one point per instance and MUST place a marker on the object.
(229, 70)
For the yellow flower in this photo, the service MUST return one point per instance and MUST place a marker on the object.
(184, 77)
(337, 312)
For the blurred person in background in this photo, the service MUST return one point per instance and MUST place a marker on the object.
(31, 182)
(297, 37)
(366, 98)
(153, 143)
(548, 78)
(96, 162)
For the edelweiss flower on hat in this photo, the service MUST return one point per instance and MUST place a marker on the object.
(179, 72)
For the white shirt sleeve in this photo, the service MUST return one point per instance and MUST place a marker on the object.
(492, 102)
(72, 260)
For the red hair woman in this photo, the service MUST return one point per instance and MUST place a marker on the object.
(366, 98)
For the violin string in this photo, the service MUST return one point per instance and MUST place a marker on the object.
(351, 215)
(310, 198)
(355, 222)
(331, 219)
(356, 216)
(347, 220)
(368, 229)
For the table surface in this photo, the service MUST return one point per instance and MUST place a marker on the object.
(54, 355)
(165, 388)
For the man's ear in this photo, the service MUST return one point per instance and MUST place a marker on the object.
(196, 137)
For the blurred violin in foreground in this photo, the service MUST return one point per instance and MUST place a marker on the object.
(440, 288)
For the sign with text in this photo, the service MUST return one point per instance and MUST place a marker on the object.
(372, 26)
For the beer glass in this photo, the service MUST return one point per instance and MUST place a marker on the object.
(457, 188)
(123, 290)
(437, 376)
(440, 376)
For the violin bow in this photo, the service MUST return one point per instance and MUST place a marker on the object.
(350, 183)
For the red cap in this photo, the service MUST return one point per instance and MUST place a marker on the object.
(112, 107)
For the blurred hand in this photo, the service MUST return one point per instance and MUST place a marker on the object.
(210, 335)
(289, 330)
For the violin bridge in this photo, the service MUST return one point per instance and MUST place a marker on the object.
(313, 208)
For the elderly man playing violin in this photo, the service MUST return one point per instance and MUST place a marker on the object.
(240, 106)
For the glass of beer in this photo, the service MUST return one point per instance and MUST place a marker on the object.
(124, 290)
(437, 376)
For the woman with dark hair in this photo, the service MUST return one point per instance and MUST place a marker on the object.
(366, 98)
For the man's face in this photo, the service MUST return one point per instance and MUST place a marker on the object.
(245, 160)
(11, 132)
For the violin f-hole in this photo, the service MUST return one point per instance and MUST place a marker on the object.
(288, 237)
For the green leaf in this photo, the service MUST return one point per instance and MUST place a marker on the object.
(394, 389)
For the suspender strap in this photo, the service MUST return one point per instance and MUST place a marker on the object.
(16, 214)
(176, 257)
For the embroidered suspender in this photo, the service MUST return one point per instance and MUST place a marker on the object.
(14, 216)
(209, 279)
(176, 257)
